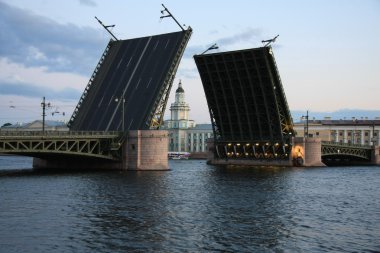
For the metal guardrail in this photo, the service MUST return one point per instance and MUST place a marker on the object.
(346, 144)
(97, 134)
(346, 149)
(96, 144)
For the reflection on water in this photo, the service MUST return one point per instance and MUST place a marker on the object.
(193, 207)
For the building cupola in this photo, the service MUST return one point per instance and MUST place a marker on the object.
(180, 89)
(179, 109)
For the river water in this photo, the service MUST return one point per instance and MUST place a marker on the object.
(194, 207)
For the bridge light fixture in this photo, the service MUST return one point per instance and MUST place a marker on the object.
(238, 144)
(229, 144)
(257, 144)
(247, 144)
(214, 46)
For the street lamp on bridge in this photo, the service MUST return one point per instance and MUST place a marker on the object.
(214, 46)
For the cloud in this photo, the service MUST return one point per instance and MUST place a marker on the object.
(39, 41)
(249, 35)
(88, 3)
(188, 73)
(193, 50)
(40, 76)
(31, 90)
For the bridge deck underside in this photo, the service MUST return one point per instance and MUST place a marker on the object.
(246, 99)
(345, 151)
(139, 70)
(253, 150)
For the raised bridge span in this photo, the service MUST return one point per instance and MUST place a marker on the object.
(251, 120)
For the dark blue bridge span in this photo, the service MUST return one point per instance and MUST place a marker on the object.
(131, 84)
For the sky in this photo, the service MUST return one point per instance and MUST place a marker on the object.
(327, 52)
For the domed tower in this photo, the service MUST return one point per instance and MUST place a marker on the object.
(179, 109)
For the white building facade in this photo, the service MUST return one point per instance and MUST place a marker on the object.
(184, 134)
(354, 131)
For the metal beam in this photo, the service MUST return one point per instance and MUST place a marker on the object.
(104, 145)
(344, 149)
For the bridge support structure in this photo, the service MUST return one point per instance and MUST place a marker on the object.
(375, 155)
(307, 152)
(146, 150)
(304, 152)
(141, 150)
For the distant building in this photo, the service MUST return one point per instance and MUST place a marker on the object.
(184, 134)
(354, 131)
(37, 126)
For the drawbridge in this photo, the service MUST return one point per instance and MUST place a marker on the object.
(247, 104)
(131, 84)
(128, 90)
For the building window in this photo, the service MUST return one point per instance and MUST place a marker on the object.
(349, 134)
(366, 133)
(317, 133)
(340, 134)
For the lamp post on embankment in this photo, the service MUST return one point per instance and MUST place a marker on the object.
(44, 105)
(306, 129)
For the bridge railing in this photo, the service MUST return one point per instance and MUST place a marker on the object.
(106, 134)
(353, 145)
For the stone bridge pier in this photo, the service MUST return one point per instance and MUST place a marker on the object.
(307, 152)
(146, 150)
(375, 155)
(142, 150)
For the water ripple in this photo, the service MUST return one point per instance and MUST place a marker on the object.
(192, 208)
